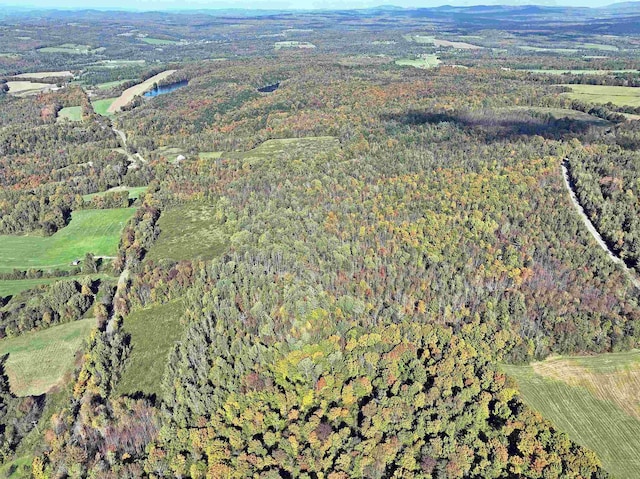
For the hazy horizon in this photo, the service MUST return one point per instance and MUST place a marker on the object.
(147, 5)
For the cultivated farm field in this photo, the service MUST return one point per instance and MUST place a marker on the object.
(90, 231)
(39, 360)
(596, 400)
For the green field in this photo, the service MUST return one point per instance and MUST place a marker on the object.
(188, 232)
(90, 231)
(134, 192)
(101, 106)
(160, 41)
(70, 48)
(18, 468)
(548, 49)
(426, 61)
(11, 287)
(154, 331)
(580, 72)
(71, 113)
(595, 400)
(39, 360)
(618, 95)
(111, 84)
(293, 44)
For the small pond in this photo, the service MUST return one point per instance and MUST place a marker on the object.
(162, 89)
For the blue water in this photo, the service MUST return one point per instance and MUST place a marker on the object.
(162, 89)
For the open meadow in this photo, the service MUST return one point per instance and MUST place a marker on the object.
(618, 95)
(424, 61)
(101, 107)
(39, 360)
(90, 231)
(188, 232)
(71, 113)
(594, 399)
(149, 352)
(134, 192)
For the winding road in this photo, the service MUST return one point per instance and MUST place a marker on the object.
(592, 229)
(136, 157)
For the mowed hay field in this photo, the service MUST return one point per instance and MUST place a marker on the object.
(595, 400)
(24, 88)
(154, 331)
(101, 107)
(618, 95)
(39, 360)
(138, 89)
(90, 231)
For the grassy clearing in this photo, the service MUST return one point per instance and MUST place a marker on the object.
(111, 84)
(618, 95)
(160, 41)
(291, 150)
(39, 361)
(430, 40)
(596, 400)
(90, 231)
(580, 72)
(188, 232)
(154, 331)
(293, 44)
(11, 287)
(24, 88)
(101, 107)
(547, 49)
(69, 48)
(71, 113)
(18, 468)
(134, 192)
(58, 74)
(425, 61)
(138, 89)
(598, 46)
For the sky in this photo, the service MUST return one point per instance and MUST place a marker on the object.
(279, 4)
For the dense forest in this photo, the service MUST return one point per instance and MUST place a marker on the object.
(355, 249)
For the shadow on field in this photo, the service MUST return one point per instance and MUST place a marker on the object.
(502, 124)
